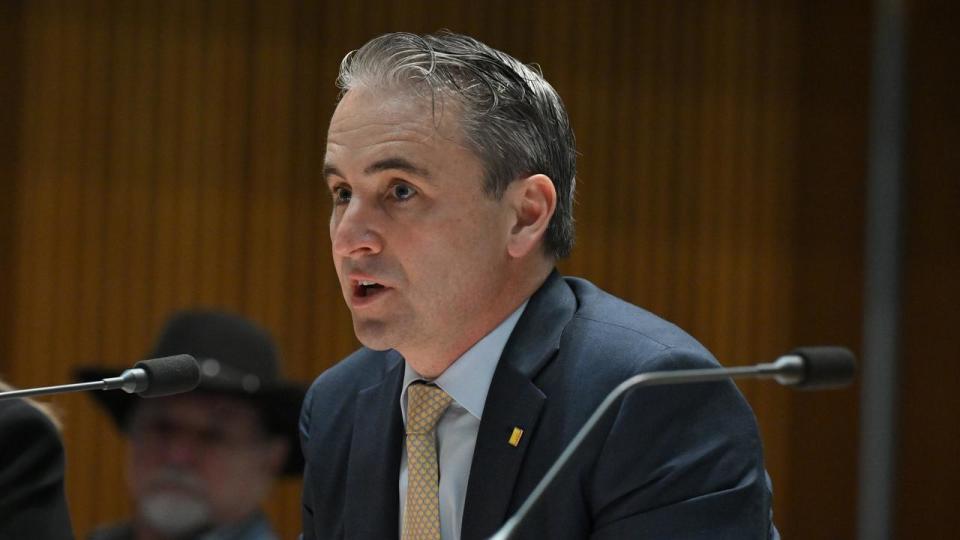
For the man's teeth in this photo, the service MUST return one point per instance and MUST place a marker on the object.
(367, 283)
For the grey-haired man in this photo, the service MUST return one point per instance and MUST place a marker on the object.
(451, 166)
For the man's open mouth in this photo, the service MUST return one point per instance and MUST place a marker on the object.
(365, 288)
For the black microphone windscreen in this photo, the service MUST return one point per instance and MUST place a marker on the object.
(169, 375)
(825, 367)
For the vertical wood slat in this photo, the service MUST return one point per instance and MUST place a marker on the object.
(66, 192)
(194, 155)
(118, 181)
(37, 163)
(188, 262)
(211, 139)
(235, 19)
(771, 319)
(832, 61)
(929, 371)
(169, 118)
(268, 192)
(12, 71)
(308, 238)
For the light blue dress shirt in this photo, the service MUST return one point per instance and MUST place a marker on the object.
(467, 381)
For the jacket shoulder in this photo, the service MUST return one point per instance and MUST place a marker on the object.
(362, 368)
(333, 392)
(627, 336)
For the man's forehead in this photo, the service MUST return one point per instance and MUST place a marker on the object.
(364, 112)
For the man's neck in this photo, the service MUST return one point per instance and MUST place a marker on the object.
(433, 359)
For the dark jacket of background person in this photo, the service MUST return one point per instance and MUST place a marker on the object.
(32, 502)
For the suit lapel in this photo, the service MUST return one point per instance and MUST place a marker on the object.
(514, 401)
(372, 503)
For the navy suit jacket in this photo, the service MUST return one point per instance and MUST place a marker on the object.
(668, 462)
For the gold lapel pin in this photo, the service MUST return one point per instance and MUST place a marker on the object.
(515, 437)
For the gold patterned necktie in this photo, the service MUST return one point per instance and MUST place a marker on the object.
(426, 403)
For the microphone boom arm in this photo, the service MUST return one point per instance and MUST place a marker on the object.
(130, 381)
(148, 378)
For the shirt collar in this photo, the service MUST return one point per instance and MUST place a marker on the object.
(468, 379)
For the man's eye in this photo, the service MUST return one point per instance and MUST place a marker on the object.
(402, 192)
(341, 195)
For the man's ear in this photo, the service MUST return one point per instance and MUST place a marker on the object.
(533, 201)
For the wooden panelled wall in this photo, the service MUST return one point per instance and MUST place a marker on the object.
(168, 155)
(929, 470)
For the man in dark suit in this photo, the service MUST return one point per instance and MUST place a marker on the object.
(32, 503)
(451, 166)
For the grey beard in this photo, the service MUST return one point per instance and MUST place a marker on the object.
(175, 514)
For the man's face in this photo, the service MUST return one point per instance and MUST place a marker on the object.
(198, 460)
(419, 248)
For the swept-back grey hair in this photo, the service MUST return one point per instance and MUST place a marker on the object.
(511, 117)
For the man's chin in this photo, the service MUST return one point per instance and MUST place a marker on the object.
(374, 334)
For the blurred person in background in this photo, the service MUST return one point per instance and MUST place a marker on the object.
(200, 464)
(32, 503)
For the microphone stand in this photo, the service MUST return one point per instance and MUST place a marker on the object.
(148, 378)
(130, 381)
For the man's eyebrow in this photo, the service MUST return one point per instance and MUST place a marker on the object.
(396, 164)
(387, 164)
(331, 170)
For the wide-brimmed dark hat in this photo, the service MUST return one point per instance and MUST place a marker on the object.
(236, 357)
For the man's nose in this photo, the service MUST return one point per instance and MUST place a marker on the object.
(355, 231)
(181, 449)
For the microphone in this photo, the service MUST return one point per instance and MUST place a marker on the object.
(808, 368)
(148, 378)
